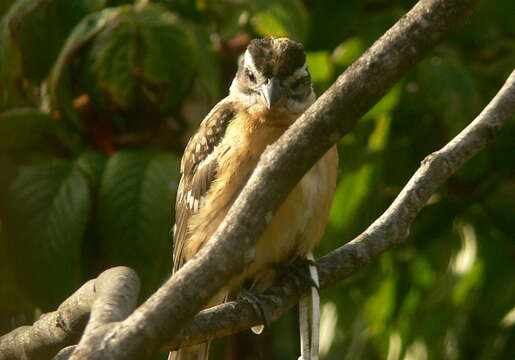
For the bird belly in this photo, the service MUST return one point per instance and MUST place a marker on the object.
(298, 225)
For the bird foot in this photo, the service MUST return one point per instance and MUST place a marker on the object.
(256, 300)
(301, 271)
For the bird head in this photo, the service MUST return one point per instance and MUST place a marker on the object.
(273, 73)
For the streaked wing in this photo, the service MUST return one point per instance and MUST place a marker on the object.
(198, 168)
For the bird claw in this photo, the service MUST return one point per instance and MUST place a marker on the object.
(256, 301)
(298, 270)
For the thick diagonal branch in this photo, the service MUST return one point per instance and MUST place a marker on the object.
(279, 169)
(385, 233)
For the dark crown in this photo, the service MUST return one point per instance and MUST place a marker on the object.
(279, 57)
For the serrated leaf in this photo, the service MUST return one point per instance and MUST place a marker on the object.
(92, 165)
(61, 94)
(46, 213)
(28, 128)
(146, 50)
(112, 56)
(168, 51)
(283, 18)
(27, 52)
(135, 213)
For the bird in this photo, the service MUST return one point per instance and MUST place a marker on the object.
(271, 89)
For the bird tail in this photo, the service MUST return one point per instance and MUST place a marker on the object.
(309, 318)
(197, 352)
(200, 351)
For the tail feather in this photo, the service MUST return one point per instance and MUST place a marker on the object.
(309, 318)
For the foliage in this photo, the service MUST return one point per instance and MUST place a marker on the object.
(99, 97)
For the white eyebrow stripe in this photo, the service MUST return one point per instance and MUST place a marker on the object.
(248, 61)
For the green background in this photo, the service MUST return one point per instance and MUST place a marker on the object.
(99, 97)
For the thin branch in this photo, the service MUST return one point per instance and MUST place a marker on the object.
(279, 169)
(385, 233)
(64, 326)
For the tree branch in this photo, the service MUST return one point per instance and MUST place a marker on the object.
(279, 169)
(116, 288)
(389, 230)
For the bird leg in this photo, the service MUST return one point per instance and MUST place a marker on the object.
(254, 300)
(309, 315)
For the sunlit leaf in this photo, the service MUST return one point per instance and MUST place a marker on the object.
(386, 105)
(288, 18)
(320, 68)
(348, 52)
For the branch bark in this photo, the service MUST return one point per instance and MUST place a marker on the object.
(389, 230)
(280, 168)
(115, 289)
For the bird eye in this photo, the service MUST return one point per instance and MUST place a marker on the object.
(251, 76)
(296, 84)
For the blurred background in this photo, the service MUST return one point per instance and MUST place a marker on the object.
(99, 97)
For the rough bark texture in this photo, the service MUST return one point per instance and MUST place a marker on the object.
(162, 316)
(280, 168)
(63, 327)
(385, 233)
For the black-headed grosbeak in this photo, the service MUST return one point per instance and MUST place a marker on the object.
(272, 88)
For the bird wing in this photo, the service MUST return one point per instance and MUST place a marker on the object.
(199, 168)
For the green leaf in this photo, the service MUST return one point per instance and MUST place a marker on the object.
(31, 35)
(348, 52)
(135, 213)
(386, 105)
(168, 52)
(321, 69)
(60, 81)
(288, 18)
(28, 128)
(145, 51)
(350, 193)
(46, 213)
(112, 56)
(4, 6)
(449, 89)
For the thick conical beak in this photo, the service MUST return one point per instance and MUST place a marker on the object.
(272, 91)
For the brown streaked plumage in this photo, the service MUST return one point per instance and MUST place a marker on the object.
(270, 91)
